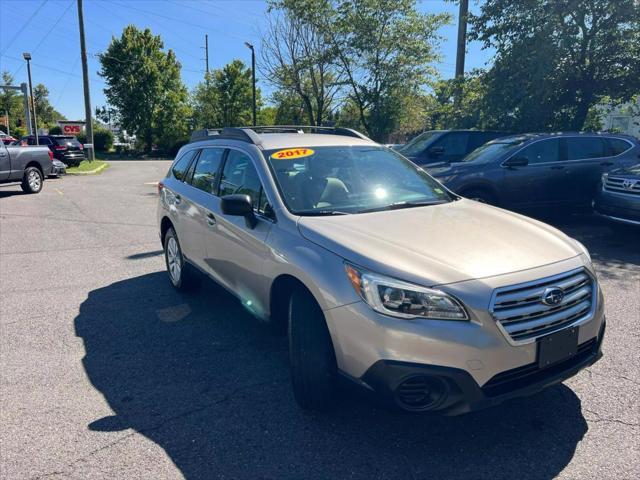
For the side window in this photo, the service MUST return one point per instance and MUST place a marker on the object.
(542, 151)
(240, 176)
(205, 173)
(454, 144)
(617, 146)
(585, 148)
(44, 141)
(31, 141)
(179, 169)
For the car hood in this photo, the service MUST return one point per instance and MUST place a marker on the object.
(440, 244)
(633, 171)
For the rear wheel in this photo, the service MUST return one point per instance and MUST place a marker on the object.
(180, 274)
(32, 180)
(311, 354)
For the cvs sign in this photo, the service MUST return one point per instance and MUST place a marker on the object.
(70, 127)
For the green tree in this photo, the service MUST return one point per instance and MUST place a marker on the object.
(289, 108)
(47, 115)
(10, 102)
(382, 49)
(556, 59)
(144, 86)
(225, 98)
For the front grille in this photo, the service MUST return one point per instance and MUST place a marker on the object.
(520, 377)
(617, 185)
(522, 315)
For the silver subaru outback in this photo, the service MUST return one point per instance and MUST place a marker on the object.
(377, 273)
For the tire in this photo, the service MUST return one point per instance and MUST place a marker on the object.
(180, 272)
(32, 180)
(311, 354)
(482, 196)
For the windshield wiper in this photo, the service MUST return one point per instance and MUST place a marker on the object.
(399, 205)
(319, 213)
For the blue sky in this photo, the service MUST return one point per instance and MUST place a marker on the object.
(49, 30)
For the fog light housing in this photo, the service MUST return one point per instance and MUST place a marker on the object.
(420, 393)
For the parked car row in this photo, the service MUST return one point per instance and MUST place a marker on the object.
(537, 171)
(66, 148)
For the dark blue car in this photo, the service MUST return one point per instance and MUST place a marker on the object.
(538, 170)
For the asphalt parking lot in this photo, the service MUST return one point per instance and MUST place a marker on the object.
(106, 372)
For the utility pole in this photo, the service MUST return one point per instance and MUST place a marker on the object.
(85, 82)
(27, 57)
(206, 51)
(462, 37)
(253, 77)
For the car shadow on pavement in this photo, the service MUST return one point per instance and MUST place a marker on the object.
(200, 377)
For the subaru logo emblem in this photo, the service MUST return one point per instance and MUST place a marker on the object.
(629, 184)
(552, 296)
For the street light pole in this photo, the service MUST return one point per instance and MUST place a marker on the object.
(253, 76)
(27, 57)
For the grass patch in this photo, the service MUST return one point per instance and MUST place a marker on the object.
(87, 166)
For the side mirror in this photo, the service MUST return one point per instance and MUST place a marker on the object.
(435, 152)
(239, 205)
(517, 162)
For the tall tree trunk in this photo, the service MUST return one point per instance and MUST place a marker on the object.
(582, 110)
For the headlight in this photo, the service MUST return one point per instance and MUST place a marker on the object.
(403, 300)
(583, 248)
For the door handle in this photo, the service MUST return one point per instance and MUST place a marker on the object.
(211, 219)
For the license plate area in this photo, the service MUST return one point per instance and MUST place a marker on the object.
(557, 347)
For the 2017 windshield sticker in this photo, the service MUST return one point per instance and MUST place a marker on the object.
(291, 153)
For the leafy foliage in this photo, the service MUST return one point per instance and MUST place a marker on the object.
(102, 139)
(556, 59)
(144, 86)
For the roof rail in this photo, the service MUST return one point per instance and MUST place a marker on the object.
(250, 135)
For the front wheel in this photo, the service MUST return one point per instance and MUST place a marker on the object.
(180, 274)
(32, 180)
(311, 354)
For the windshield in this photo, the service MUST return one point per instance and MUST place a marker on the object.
(491, 151)
(348, 179)
(416, 146)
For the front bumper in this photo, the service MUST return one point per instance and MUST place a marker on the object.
(618, 207)
(456, 392)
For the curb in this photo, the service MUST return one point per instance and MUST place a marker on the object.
(91, 172)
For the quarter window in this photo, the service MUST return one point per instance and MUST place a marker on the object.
(240, 176)
(543, 151)
(618, 146)
(585, 148)
(205, 173)
(179, 169)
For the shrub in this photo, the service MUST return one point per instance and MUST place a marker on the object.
(56, 130)
(82, 137)
(102, 140)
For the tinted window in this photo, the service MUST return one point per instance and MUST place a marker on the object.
(583, 148)
(542, 151)
(350, 180)
(240, 176)
(180, 167)
(66, 141)
(491, 152)
(206, 170)
(454, 144)
(416, 146)
(617, 146)
(44, 141)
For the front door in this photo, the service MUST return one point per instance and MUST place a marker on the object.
(5, 162)
(543, 180)
(236, 251)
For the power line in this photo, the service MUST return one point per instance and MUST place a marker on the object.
(66, 84)
(26, 24)
(53, 69)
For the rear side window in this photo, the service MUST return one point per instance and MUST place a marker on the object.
(240, 176)
(618, 146)
(454, 144)
(585, 148)
(205, 173)
(179, 169)
(64, 141)
(543, 151)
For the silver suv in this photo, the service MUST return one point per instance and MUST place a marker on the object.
(377, 272)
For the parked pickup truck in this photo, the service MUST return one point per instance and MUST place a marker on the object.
(28, 165)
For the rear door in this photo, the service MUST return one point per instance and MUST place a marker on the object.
(451, 147)
(587, 160)
(542, 181)
(198, 218)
